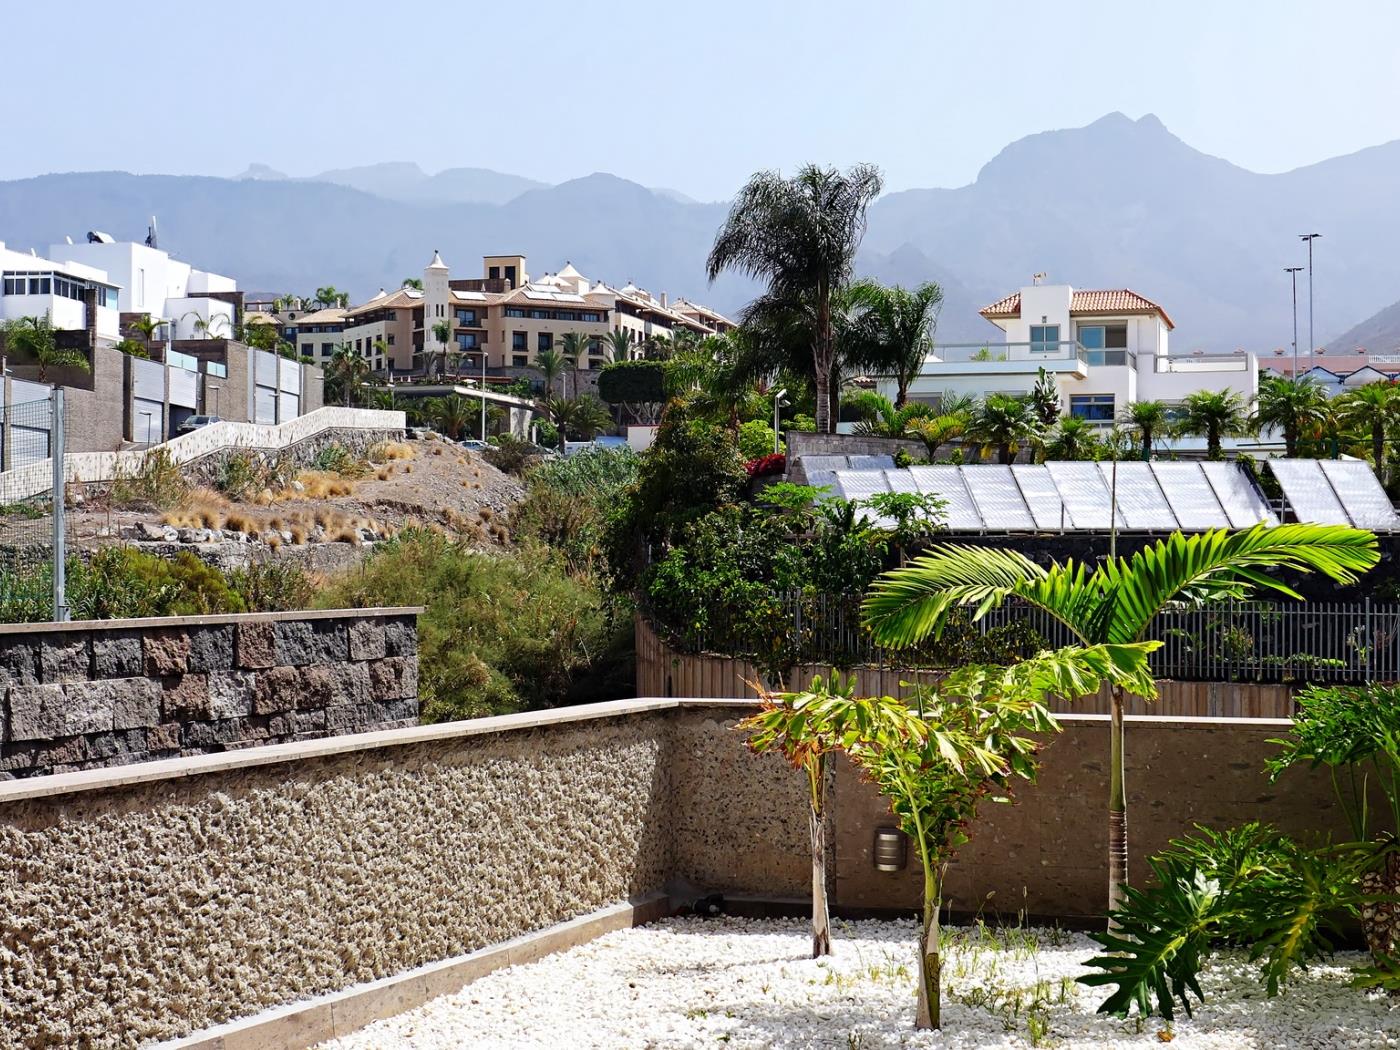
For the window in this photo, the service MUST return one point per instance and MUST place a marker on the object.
(545, 341)
(493, 273)
(1044, 338)
(566, 315)
(1096, 408)
(391, 339)
(358, 347)
(1103, 336)
(514, 311)
(466, 341)
(510, 274)
(519, 341)
(466, 318)
(520, 361)
(589, 315)
(306, 349)
(39, 285)
(539, 315)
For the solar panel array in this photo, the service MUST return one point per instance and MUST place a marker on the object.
(1335, 492)
(1025, 497)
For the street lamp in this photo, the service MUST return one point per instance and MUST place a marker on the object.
(777, 403)
(1312, 343)
(1292, 272)
(483, 394)
(148, 416)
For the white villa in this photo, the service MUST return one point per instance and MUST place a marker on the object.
(1106, 350)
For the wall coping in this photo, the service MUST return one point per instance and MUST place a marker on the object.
(155, 623)
(108, 778)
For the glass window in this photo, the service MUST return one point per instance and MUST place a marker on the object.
(519, 341)
(510, 274)
(493, 273)
(1044, 338)
(466, 341)
(545, 341)
(539, 315)
(1091, 336)
(1116, 336)
(520, 361)
(306, 348)
(1096, 408)
(514, 311)
(391, 338)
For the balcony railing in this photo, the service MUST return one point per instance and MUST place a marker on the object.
(1205, 363)
(1051, 356)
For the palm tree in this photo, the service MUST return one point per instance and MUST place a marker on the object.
(1372, 410)
(800, 235)
(880, 417)
(442, 332)
(573, 347)
(331, 296)
(1148, 419)
(1114, 603)
(349, 369)
(147, 326)
(580, 416)
(1073, 439)
(620, 345)
(1213, 414)
(1003, 422)
(33, 337)
(550, 364)
(452, 415)
(896, 326)
(1297, 407)
(937, 431)
(1045, 399)
(412, 282)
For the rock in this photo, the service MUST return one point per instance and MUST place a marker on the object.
(103, 532)
(297, 486)
(186, 535)
(286, 535)
(170, 534)
(144, 530)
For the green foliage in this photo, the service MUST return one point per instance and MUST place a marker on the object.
(337, 459)
(241, 475)
(786, 497)
(499, 633)
(273, 586)
(1213, 414)
(916, 516)
(756, 438)
(33, 338)
(547, 433)
(1045, 399)
(132, 348)
(567, 503)
(510, 454)
(157, 483)
(1251, 885)
(633, 383)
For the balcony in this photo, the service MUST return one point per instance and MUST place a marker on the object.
(1021, 359)
(1239, 362)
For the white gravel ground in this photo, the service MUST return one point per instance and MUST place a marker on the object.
(749, 983)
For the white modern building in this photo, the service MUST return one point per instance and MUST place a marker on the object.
(1105, 349)
(197, 303)
(75, 296)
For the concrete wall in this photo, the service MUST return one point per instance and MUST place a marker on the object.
(111, 692)
(156, 899)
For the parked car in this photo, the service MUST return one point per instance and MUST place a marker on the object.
(195, 422)
(475, 444)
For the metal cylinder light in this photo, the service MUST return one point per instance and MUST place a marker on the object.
(891, 849)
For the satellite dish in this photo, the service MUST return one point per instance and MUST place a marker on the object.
(98, 237)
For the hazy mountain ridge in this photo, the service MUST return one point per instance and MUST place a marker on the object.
(1118, 203)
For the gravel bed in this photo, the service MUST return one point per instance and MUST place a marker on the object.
(749, 983)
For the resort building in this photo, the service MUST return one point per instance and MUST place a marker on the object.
(80, 300)
(388, 329)
(316, 335)
(1105, 349)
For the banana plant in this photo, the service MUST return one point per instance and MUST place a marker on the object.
(1114, 602)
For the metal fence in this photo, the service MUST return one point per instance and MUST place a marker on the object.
(1263, 642)
(33, 526)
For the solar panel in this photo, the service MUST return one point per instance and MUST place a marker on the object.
(860, 484)
(1308, 491)
(1140, 500)
(824, 479)
(872, 463)
(900, 480)
(823, 463)
(947, 483)
(1084, 492)
(1042, 497)
(998, 498)
(1190, 495)
(1361, 494)
(1237, 495)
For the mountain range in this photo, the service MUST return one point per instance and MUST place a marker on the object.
(1118, 203)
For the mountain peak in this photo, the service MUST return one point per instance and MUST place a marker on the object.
(261, 171)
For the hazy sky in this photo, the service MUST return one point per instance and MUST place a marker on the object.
(688, 95)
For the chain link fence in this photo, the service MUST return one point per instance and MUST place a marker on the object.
(33, 527)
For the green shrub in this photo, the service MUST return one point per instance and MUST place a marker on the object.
(568, 501)
(157, 483)
(756, 439)
(546, 433)
(337, 459)
(511, 455)
(499, 633)
(273, 586)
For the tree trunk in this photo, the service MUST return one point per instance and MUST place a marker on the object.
(1007, 455)
(823, 382)
(821, 360)
(930, 1009)
(816, 825)
(1117, 808)
(1380, 921)
(1378, 450)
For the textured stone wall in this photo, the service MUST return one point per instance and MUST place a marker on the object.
(158, 909)
(103, 694)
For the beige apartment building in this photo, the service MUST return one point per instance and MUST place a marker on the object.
(388, 329)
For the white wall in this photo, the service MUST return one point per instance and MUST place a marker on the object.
(184, 311)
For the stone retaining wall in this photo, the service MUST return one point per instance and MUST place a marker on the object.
(104, 693)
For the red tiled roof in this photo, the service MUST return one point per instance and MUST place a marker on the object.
(1108, 301)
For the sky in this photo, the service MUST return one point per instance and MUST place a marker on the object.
(691, 96)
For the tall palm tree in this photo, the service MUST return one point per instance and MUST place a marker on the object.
(33, 338)
(620, 345)
(1213, 414)
(350, 369)
(896, 325)
(1147, 419)
(550, 364)
(1116, 602)
(442, 332)
(1297, 407)
(1004, 422)
(573, 347)
(330, 296)
(412, 282)
(800, 235)
(1372, 410)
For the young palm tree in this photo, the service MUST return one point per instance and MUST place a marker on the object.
(573, 347)
(896, 326)
(148, 326)
(1372, 410)
(1298, 407)
(350, 370)
(550, 364)
(1148, 419)
(452, 415)
(1213, 414)
(33, 338)
(1073, 439)
(412, 282)
(619, 345)
(936, 431)
(442, 332)
(1115, 602)
(800, 235)
(1004, 422)
(581, 417)
(880, 417)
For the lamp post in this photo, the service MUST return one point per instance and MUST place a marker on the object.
(1312, 343)
(1292, 272)
(777, 403)
(148, 416)
(483, 394)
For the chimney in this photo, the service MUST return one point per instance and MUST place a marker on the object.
(1037, 278)
(663, 300)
